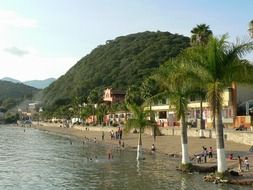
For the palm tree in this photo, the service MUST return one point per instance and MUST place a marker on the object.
(172, 78)
(95, 98)
(101, 111)
(219, 64)
(201, 93)
(138, 120)
(251, 28)
(133, 95)
(86, 111)
(149, 90)
(200, 34)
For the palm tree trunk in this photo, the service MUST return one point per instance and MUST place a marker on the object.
(139, 151)
(184, 141)
(214, 118)
(201, 130)
(152, 119)
(221, 159)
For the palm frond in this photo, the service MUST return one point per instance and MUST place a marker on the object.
(139, 119)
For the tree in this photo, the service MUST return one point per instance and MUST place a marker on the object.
(95, 96)
(218, 64)
(149, 89)
(94, 99)
(251, 28)
(200, 92)
(86, 111)
(178, 82)
(76, 105)
(200, 34)
(133, 96)
(101, 111)
(138, 120)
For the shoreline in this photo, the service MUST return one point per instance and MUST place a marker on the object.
(165, 145)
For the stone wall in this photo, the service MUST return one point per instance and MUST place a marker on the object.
(243, 137)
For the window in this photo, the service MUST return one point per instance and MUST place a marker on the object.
(162, 115)
(226, 113)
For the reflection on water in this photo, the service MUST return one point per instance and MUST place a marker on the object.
(183, 185)
(34, 159)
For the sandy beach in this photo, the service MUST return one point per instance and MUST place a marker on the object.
(168, 145)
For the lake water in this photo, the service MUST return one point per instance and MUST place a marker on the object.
(36, 159)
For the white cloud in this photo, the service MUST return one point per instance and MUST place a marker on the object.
(21, 60)
(33, 66)
(9, 19)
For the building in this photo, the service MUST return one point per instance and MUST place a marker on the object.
(113, 96)
(232, 97)
(34, 106)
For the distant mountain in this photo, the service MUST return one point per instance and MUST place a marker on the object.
(12, 94)
(15, 90)
(40, 84)
(11, 80)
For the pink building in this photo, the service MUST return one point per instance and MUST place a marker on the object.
(113, 96)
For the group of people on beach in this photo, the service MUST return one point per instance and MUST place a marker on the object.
(204, 154)
(117, 135)
(209, 153)
(242, 163)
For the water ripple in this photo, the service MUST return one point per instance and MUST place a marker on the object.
(38, 160)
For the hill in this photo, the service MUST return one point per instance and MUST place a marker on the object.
(13, 93)
(10, 80)
(118, 64)
(40, 84)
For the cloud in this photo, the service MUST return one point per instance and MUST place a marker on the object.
(9, 19)
(34, 65)
(16, 51)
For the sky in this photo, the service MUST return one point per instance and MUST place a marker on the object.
(40, 39)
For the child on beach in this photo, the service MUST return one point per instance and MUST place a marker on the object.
(103, 135)
(239, 164)
(198, 157)
(204, 153)
(210, 152)
(110, 156)
(153, 148)
(246, 163)
(230, 157)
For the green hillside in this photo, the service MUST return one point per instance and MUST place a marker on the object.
(13, 93)
(119, 63)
